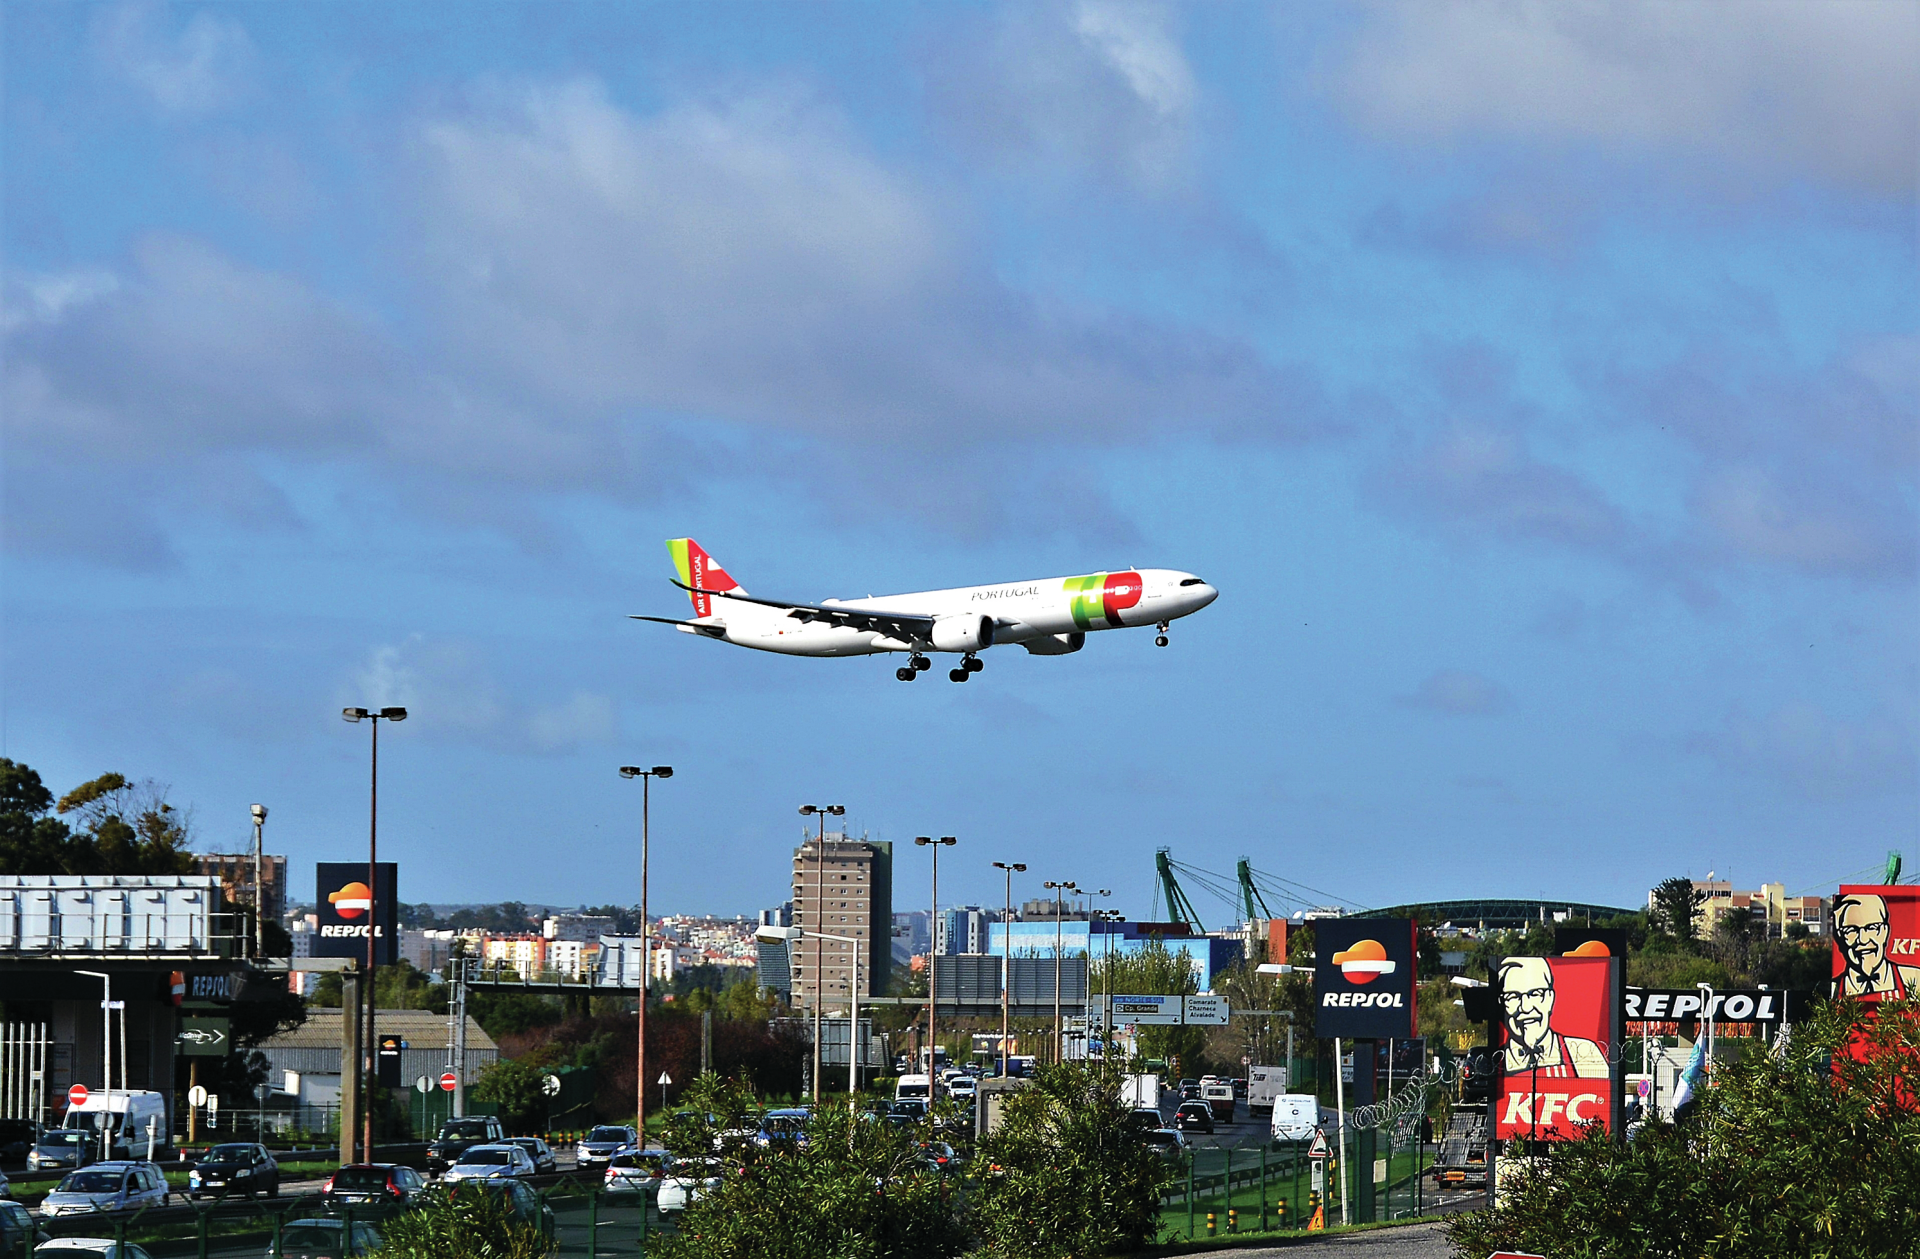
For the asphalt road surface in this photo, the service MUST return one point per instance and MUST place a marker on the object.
(1409, 1241)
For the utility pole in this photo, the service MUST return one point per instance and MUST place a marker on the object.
(259, 883)
(1006, 959)
(933, 953)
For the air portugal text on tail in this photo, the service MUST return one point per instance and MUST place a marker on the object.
(1051, 616)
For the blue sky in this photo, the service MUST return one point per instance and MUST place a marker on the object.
(1540, 384)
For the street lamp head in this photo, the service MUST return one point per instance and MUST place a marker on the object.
(631, 771)
(259, 812)
(1105, 891)
(837, 809)
(948, 840)
(663, 771)
(354, 714)
(394, 714)
(921, 841)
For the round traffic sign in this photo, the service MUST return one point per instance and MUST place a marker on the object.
(77, 1095)
(424, 1084)
(550, 1085)
(197, 1096)
(448, 1081)
(1645, 1087)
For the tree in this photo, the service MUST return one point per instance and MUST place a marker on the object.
(1155, 970)
(1067, 1173)
(513, 1085)
(1674, 904)
(460, 1222)
(125, 827)
(1810, 1150)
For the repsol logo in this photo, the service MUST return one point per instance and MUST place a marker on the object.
(211, 987)
(1357, 1000)
(346, 931)
(1577, 1107)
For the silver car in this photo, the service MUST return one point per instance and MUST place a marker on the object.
(686, 1181)
(90, 1248)
(119, 1185)
(490, 1162)
(598, 1145)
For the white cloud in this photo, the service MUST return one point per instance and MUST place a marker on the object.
(1460, 692)
(205, 66)
(1137, 40)
(1831, 89)
(1820, 755)
(584, 718)
(450, 692)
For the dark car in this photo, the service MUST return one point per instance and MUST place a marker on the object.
(1190, 1090)
(598, 1145)
(324, 1239)
(18, 1234)
(1193, 1117)
(539, 1151)
(372, 1185)
(234, 1169)
(522, 1199)
(457, 1136)
(17, 1139)
(1239, 1089)
(60, 1148)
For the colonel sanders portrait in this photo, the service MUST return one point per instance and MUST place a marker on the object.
(1861, 930)
(1526, 1009)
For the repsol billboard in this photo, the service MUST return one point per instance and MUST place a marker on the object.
(349, 910)
(1559, 1039)
(1363, 978)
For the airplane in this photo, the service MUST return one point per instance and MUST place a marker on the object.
(1049, 617)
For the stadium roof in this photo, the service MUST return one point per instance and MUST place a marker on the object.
(1498, 913)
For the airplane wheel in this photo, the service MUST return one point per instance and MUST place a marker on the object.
(972, 664)
(906, 675)
(921, 662)
(959, 675)
(1161, 641)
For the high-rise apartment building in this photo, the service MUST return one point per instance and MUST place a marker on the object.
(842, 887)
(962, 929)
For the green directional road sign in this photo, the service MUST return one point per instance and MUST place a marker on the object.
(203, 1038)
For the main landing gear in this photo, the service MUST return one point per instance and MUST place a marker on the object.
(971, 665)
(915, 666)
(1160, 640)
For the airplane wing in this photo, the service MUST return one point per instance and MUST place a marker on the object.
(895, 624)
(698, 627)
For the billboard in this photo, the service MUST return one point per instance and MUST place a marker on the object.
(1559, 1027)
(1364, 977)
(1876, 942)
(348, 910)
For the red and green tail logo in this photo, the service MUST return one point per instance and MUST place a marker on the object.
(698, 569)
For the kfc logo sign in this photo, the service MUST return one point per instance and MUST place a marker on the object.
(1558, 1015)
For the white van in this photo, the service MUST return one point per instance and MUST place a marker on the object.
(917, 1088)
(129, 1117)
(1295, 1116)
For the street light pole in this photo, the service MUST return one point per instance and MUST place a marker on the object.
(1106, 965)
(1059, 907)
(646, 777)
(819, 912)
(853, 1015)
(1006, 959)
(367, 1059)
(106, 1052)
(933, 950)
(259, 882)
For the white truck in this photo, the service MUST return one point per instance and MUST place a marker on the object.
(1295, 1116)
(133, 1120)
(1140, 1092)
(1263, 1085)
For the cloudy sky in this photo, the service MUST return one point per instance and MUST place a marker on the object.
(1539, 383)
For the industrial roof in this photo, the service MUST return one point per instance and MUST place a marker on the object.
(421, 1029)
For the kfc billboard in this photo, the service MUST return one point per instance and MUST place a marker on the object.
(1363, 978)
(1876, 942)
(1559, 1027)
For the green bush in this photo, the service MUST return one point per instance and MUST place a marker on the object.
(1066, 1173)
(461, 1222)
(1810, 1150)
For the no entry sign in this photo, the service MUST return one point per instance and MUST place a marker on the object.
(77, 1095)
(448, 1081)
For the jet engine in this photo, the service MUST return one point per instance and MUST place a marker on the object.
(962, 633)
(1056, 644)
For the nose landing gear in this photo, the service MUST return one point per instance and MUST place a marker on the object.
(1160, 640)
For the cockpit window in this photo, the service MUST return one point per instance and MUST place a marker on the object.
(1191, 581)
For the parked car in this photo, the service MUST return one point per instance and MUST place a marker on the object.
(786, 1124)
(490, 1162)
(685, 1181)
(120, 1185)
(325, 1239)
(1170, 1143)
(538, 1151)
(372, 1184)
(62, 1147)
(636, 1170)
(598, 1145)
(17, 1139)
(457, 1136)
(521, 1200)
(1193, 1117)
(236, 1168)
(91, 1248)
(18, 1232)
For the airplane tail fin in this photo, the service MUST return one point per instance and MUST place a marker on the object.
(701, 571)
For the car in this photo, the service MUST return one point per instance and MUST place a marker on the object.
(786, 1124)
(1193, 1117)
(17, 1139)
(1239, 1089)
(91, 1248)
(1189, 1090)
(940, 1157)
(526, 1205)
(457, 1136)
(325, 1239)
(636, 1170)
(372, 1184)
(1170, 1143)
(537, 1150)
(62, 1147)
(18, 1232)
(236, 1168)
(117, 1185)
(1146, 1118)
(685, 1181)
(490, 1162)
(906, 1112)
(598, 1146)
(964, 1089)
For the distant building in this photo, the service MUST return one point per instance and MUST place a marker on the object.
(962, 929)
(582, 928)
(1769, 905)
(235, 872)
(911, 936)
(1045, 908)
(304, 1064)
(780, 915)
(842, 887)
(524, 954)
(1209, 954)
(427, 950)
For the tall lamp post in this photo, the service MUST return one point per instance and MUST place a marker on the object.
(933, 948)
(1106, 962)
(375, 716)
(646, 777)
(821, 811)
(259, 812)
(1060, 891)
(853, 1015)
(1006, 959)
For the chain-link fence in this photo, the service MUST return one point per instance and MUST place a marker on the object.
(1261, 1185)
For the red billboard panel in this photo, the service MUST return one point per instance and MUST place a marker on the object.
(1559, 1028)
(1876, 942)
